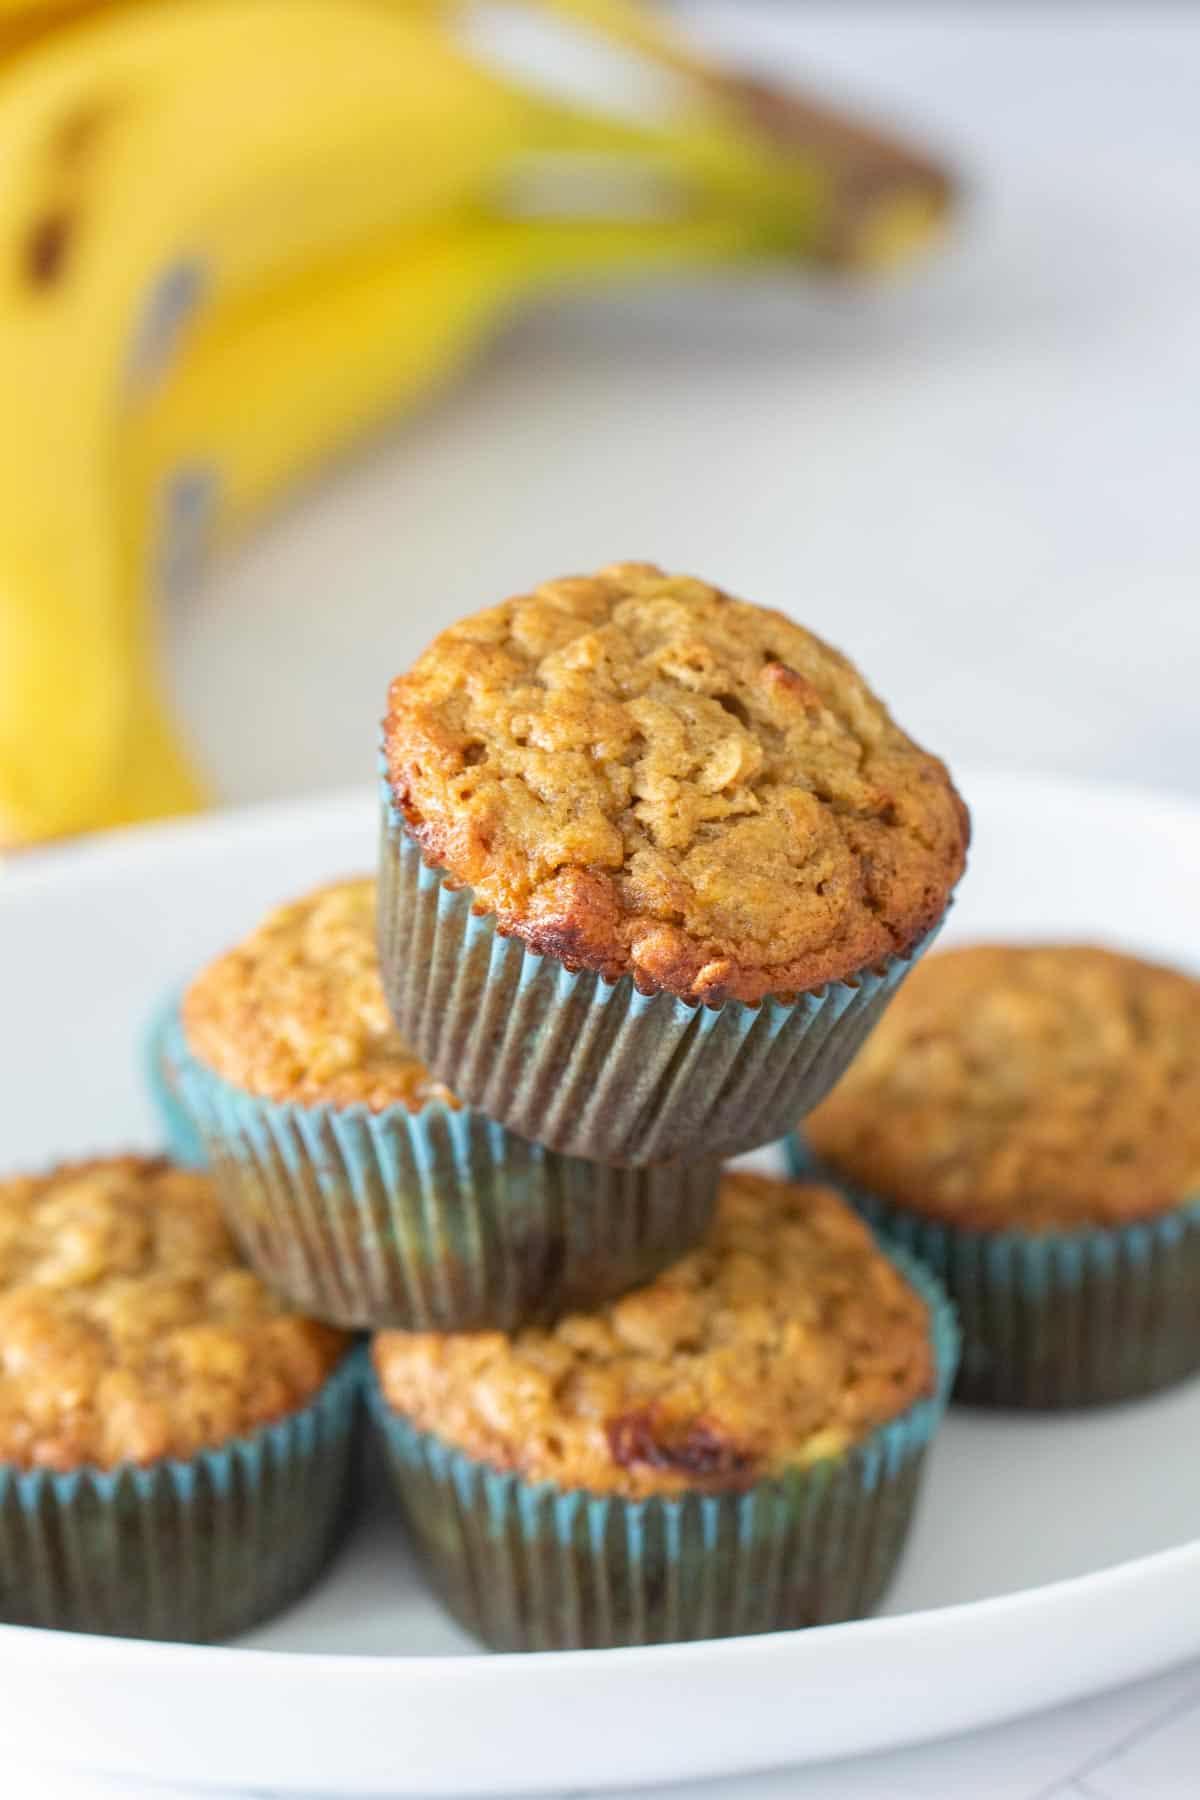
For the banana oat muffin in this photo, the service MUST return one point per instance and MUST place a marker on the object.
(774, 1362)
(639, 775)
(785, 1337)
(355, 1181)
(1030, 1116)
(296, 1011)
(635, 775)
(136, 1353)
(1039, 1089)
(130, 1328)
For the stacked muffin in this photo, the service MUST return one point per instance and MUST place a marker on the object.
(653, 862)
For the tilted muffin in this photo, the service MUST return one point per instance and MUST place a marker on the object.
(643, 838)
(733, 1448)
(356, 1183)
(295, 1012)
(173, 1443)
(1028, 1119)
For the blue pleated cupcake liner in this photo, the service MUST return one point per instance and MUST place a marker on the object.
(533, 1566)
(194, 1550)
(595, 1068)
(1053, 1319)
(439, 1220)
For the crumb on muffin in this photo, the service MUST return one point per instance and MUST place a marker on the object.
(638, 774)
(296, 1012)
(130, 1329)
(784, 1338)
(1036, 1087)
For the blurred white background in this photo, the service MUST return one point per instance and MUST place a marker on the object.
(980, 481)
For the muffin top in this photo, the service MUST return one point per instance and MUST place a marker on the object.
(1034, 1088)
(782, 1339)
(296, 1011)
(129, 1328)
(639, 775)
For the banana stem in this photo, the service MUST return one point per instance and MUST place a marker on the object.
(691, 169)
(558, 253)
(863, 198)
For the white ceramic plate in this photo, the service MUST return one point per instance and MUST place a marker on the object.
(1051, 1557)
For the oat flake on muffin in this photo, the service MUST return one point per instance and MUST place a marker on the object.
(638, 774)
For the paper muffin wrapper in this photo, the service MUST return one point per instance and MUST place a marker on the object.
(1054, 1319)
(532, 1566)
(194, 1550)
(595, 1068)
(432, 1221)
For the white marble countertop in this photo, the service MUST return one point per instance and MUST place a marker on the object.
(981, 482)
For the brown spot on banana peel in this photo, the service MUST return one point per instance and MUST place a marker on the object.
(887, 199)
(47, 248)
(51, 238)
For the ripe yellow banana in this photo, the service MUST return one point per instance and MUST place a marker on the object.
(23, 21)
(153, 162)
(238, 233)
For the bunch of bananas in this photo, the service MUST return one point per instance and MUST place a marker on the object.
(237, 234)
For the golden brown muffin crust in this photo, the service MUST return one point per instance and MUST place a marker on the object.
(640, 775)
(296, 1012)
(129, 1329)
(1030, 1087)
(784, 1338)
